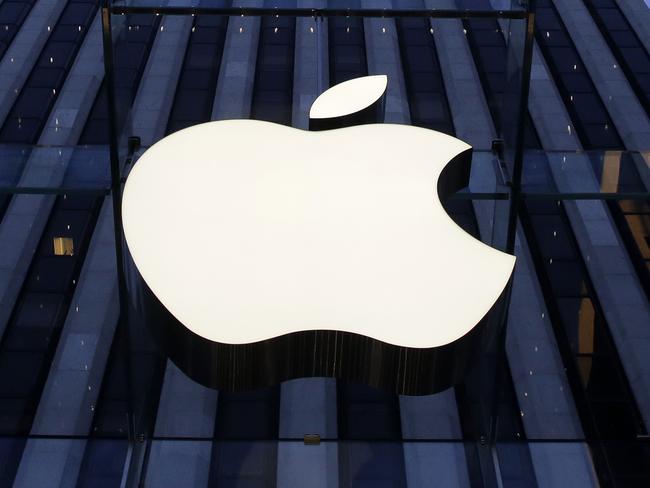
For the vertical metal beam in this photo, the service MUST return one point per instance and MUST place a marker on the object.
(116, 196)
(514, 203)
(515, 191)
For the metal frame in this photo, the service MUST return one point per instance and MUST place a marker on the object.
(137, 448)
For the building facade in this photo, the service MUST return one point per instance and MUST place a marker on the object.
(562, 399)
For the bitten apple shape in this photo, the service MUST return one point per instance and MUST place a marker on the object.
(268, 253)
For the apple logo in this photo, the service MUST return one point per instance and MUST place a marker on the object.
(264, 253)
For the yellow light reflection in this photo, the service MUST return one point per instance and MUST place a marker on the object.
(63, 246)
(611, 172)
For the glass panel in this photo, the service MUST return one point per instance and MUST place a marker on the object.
(612, 175)
(53, 169)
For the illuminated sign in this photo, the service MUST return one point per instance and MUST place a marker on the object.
(269, 253)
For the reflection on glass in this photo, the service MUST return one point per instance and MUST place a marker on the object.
(611, 172)
(63, 246)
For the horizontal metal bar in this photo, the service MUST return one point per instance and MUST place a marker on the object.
(586, 196)
(36, 190)
(311, 12)
(639, 438)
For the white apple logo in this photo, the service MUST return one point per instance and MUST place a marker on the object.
(269, 253)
